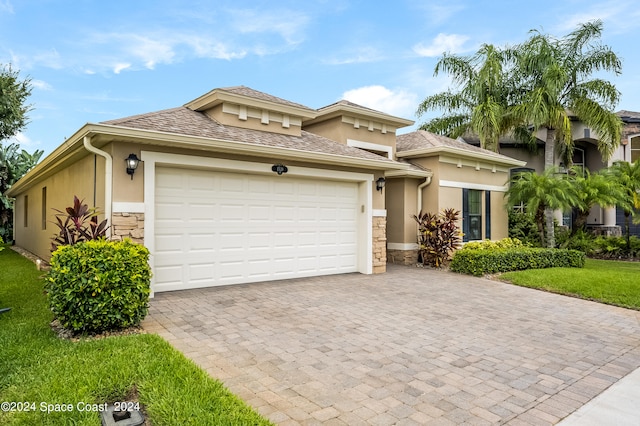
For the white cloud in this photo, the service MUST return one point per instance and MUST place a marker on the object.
(288, 24)
(23, 140)
(604, 11)
(205, 47)
(400, 102)
(6, 6)
(449, 43)
(41, 85)
(440, 13)
(118, 68)
(361, 56)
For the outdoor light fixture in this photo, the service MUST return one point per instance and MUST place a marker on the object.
(132, 164)
(380, 184)
(279, 169)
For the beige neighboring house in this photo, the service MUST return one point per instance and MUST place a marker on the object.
(240, 186)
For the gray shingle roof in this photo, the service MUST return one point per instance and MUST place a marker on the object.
(251, 93)
(422, 139)
(183, 121)
(628, 114)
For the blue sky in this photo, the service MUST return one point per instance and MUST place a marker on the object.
(92, 61)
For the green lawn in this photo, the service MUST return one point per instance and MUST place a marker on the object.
(607, 281)
(37, 367)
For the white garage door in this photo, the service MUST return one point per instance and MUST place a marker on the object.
(218, 228)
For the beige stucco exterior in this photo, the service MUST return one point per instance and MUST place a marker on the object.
(368, 147)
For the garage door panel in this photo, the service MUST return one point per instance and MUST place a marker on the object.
(215, 228)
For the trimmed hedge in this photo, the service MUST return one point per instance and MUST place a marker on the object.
(481, 262)
(99, 285)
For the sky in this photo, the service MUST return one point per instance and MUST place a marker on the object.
(93, 61)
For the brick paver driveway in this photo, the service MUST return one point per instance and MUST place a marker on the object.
(411, 346)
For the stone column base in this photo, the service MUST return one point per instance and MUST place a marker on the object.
(128, 225)
(379, 244)
(402, 257)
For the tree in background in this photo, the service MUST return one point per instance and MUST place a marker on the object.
(542, 83)
(483, 100)
(591, 189)
(14, 162)
(628, 176)
(539, 192)
(13, 108)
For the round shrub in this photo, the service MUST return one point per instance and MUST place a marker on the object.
(99, 285)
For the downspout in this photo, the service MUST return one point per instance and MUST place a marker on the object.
(108, 177)
(423, 185)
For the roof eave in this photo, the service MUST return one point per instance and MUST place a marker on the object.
(337, 110)
(150, 137)
(430, 152)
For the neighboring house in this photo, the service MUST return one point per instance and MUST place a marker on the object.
(606, 221)
(240, 186)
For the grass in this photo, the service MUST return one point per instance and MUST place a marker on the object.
(38, 367)
(606, 281)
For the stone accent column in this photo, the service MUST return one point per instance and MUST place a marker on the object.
(128, 225)
(379, 244)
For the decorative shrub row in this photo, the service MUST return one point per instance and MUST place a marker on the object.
(99, 285)
(481, 262)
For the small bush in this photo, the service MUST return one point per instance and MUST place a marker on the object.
(504, 243)
(581, 240)
(481, 262)
(616, 247)
(1, 244)
(99, 285)
(523, 227)
(438, 236)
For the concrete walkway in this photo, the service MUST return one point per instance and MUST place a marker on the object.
(409, 347)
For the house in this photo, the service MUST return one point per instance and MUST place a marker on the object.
(605, 221)
(241, 186)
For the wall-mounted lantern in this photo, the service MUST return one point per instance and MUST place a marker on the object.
(132, 164)
(380, 184)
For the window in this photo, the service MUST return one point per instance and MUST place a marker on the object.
(44, 207)
(512, 173)
(472, 214)
(26, 211)
(635, 148)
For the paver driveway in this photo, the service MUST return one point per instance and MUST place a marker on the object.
(411, 346)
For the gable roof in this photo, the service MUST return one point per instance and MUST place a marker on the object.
(243, 95)
(344, 107)
(424, 144)
(184, 121)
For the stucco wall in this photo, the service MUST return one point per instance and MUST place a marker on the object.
(84, 179)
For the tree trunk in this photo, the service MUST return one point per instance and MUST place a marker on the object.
(580, 222)
(549, 162)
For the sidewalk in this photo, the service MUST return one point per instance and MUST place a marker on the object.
(618, 405)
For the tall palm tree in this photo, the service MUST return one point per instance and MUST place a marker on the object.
(628, 176)
(540, 192)
(482, 100)
(559, 86)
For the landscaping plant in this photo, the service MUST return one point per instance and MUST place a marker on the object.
(439, 236)
(74, 228)
(99, 285)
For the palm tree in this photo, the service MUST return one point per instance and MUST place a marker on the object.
(481, 104)
(628, 176)
(557, 78)
(591, 189)
(540, 192)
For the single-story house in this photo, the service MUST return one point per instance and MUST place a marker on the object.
(241, 186)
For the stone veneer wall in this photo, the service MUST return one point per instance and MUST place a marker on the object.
(128, 225)
(402, 257)
(379, 244)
